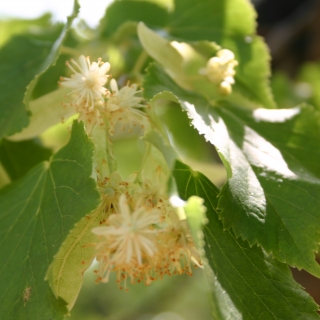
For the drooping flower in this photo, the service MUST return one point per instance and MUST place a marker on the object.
(177, 250)
(123, 108)
(87, 81)
(127, 243)
(139, 244)
(220, 70)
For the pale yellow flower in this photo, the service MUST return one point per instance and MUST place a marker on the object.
(220, 70)
(139, 244)
(87, 81)
(128, 242)
(123, 108)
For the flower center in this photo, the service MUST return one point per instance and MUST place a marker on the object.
(89, 82)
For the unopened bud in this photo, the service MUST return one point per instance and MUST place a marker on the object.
(225, 88)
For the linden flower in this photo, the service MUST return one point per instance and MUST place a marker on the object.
(220, 70)
(122, 107)
(87, 81)
(128, 242)
(91, 117)
(177, 250)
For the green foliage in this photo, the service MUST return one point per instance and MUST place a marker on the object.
(310, 78)
(283, 91)
(14, 115)
(22, 68)
(264, 218)
(11, 27)
(19, 157)
(250, 279)
(183, 135)
(46, 112)
(212, 20)
(229, 24)
(120, 12)
(37, 213)
(267, 173)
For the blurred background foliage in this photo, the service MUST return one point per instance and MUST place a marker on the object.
(292, 31)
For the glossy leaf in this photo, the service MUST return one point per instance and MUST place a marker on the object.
(247, 283)
(271, 157)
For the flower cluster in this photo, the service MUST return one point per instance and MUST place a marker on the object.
(220, 70)
(142, 237)
(120, 109)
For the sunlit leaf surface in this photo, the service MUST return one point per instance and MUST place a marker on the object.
(247, 283)
(272, 196)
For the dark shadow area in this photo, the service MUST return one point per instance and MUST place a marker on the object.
(291, 29)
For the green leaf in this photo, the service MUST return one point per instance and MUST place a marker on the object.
(120, 12)
(36, 215)
(231, 25)
(283, 91)
(310, 78)
(271, 156)
(253, 71)
(273, 195)
(48, 80)
(19, 157)
(18, 67)
(54, 52)
(23, 59)
(246, 280)
(182, 135)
